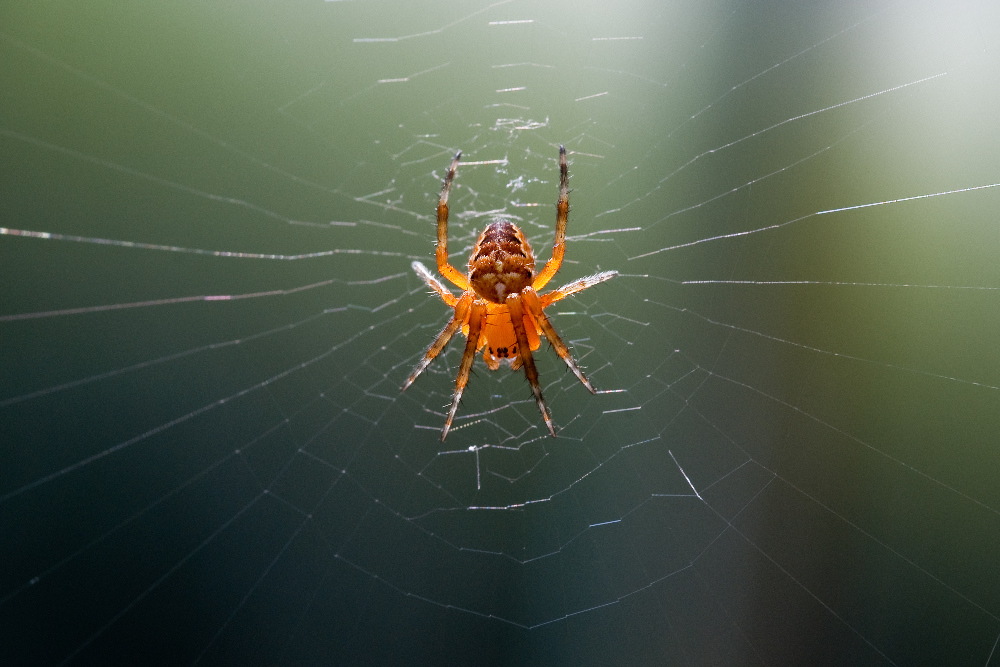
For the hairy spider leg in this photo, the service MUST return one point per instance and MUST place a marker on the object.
(462, 310)
(434, 283)
(524, 350)
(444, 268)
(534, 307)
(569, 289)
(562, 215)
(476, 316)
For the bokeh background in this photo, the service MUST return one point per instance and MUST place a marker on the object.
(209, 212)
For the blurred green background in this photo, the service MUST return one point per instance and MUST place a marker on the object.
(796, 458)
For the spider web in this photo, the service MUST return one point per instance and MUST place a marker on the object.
(209, 218)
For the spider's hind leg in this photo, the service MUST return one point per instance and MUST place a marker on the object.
(441, 254)
(562, 215)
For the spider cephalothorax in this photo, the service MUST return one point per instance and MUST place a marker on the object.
(500, 310)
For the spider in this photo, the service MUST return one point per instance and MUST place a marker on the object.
(500, 308)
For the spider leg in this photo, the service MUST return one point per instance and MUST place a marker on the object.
(434, 283)
(572, 288)
(524, 351)
(461, 315)
(562, 214)
(534, 308)
(476, 317)
(444, 268)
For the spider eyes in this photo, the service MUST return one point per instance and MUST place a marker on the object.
(502, 352)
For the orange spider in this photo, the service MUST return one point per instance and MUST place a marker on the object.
(500, 308)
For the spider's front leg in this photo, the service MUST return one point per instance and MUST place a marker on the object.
(534, 307)
(462, 307)
(477, 315)
(524, 351)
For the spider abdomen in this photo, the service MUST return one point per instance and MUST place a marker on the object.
(501, 262)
